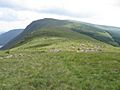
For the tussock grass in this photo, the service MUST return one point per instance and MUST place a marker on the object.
(33, 67)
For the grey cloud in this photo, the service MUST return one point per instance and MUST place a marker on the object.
(51, 10)
(61, 11)
(8, 18)
(8, 15)
(11, 5)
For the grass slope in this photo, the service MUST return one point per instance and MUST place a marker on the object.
(78, 27)
(59, 58)
(54, 63)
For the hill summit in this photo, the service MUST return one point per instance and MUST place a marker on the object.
(64, 28)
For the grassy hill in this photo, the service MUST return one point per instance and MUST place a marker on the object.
(76, 27)
(59, 55)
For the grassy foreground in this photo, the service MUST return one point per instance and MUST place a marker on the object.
(58, 64)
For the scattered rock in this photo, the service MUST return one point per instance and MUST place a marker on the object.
(12, 56)
(9, 56)
(1, 57)
(55, 50)
(87, 48)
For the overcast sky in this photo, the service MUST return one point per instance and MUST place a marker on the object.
(19, 13)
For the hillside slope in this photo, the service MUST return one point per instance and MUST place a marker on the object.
(7, 36)
(57, 56)
(71, 26)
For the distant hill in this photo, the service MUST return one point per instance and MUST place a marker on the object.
(49, 27)
(1, 33)
(7, 36)
(113, 31)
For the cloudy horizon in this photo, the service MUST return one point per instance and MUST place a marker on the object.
(15, 14)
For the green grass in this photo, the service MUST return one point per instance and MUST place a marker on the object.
(60, 71)
(60, 58)
(33, 66)
(66, 29)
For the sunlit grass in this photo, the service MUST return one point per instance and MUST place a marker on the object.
(33, 66)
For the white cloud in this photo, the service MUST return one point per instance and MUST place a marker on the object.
(19, 13)
(7, 14)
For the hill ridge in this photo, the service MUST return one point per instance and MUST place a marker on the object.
(78, 27)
